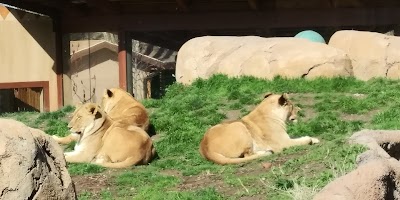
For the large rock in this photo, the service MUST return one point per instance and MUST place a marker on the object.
(32, 165)
(378, 180)
(378, 173)
(372, 54)
(260, 57)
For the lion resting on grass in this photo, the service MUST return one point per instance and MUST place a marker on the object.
(120, 106)
(123, 107)
(105, 142)
(258, 134)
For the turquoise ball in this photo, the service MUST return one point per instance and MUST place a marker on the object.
(310, 35)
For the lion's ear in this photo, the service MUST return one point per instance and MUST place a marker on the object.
(98, 115)
(109, 93)
(283, 99)
(267, 95)
(94, 110)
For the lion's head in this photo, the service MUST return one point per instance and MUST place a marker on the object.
(281, 106)
(293, 114)
(87, 119)
(115, 97)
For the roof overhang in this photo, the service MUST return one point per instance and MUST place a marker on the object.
(162, 15)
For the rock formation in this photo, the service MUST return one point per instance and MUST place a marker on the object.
(260, 57)
(32, 165)
(378, 173)
(372, 54)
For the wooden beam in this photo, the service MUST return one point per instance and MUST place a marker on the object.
(183, 5)
(153, 62)
(254, 4)
(122, 59)
(103, 6)
(35, 7)
(235, 20)
(155, 39)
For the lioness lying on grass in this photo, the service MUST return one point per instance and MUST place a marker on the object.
(260, 133)
(123, 107)
(105, 142)
(120, 106)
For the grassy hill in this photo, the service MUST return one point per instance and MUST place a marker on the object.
(332, 109)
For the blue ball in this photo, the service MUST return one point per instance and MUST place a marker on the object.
(310, 35)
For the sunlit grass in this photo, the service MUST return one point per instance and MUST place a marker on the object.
(183, 115)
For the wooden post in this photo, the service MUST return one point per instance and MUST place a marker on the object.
(59, 60)
(129, 70)
(125, 61)
(122, 59)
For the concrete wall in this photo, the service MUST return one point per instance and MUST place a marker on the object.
(27, 49)
(92, 72)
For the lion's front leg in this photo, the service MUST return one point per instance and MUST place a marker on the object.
(262, 149)
(77, 157)
(264, 152)
(65, 140)
(305, 140)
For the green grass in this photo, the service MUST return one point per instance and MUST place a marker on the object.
(85, 168)
(183, 115)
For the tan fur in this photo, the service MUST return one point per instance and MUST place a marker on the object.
(120, 106)
(105, 142)
(123, 107)
(258, 134)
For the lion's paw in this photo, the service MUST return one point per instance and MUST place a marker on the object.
(101, 159)
(66, 155)
(314, 141)
(266, 152)
(55, 137)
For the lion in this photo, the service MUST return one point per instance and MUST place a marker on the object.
(123, 107)
(258, 134)
(105, 142)
(120, 106)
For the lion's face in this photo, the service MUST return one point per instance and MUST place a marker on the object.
(281, 106)
(86, 119)
(293, 114)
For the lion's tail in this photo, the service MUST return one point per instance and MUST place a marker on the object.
(223, 160)
(129, 162)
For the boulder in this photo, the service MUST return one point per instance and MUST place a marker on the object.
(377, 179)
(378, 173)
(260, 57)
(372, 54)
(32, 165)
